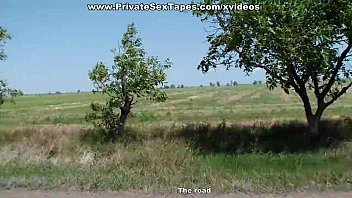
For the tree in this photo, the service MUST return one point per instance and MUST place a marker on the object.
(5, 91)
(218, 83)
(302, 46)
(255, 82)
(235, 83)
(166, 87)
(132, 76)
(211, 84)
(182, 86)
(260, 82)
(8, 94)
(172, 86)
(228, 84)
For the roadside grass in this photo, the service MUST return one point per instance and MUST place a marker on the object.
(162, 158)
(223, 174)
(242, 138)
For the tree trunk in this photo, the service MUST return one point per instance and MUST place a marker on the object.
(313, 123)
(125, 110)
(123, 118)
(314, 120)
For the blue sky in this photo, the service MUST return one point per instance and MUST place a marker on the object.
(56, 43)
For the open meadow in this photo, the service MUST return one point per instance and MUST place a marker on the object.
(243, 103)
(237, 138)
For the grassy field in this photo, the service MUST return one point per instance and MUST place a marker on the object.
(240, 103)
(242, 138)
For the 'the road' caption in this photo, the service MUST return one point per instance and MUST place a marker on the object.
(182, 190)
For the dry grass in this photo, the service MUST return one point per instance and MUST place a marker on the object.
(163, 158)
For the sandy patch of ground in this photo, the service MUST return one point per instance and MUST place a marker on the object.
(255, 96)
(193, 97)
(51, 107)
(239, 95)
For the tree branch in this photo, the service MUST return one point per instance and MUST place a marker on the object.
(316, 86)
(135, 102)
(337, 68)
(123, 88)
(293, 72)
(343, 91)
(102, 86)
(272, 73)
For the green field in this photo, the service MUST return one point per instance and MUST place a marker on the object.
(233, 138)
(235, 104)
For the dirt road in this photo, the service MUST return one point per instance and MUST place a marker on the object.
(72, 194)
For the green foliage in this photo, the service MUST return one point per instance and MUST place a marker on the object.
(255, 82)
(301, 45)
(103, 116)
(133, 75)
(3, 37)
(5, 91)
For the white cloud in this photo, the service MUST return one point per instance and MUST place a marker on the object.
(257, 69)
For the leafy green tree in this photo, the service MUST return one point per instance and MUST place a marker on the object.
(182, 86)
(172, 86)
(5, 91)
(8, 94)
(235, 83)
(255, 82)
(302, 45)
(132, 76)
